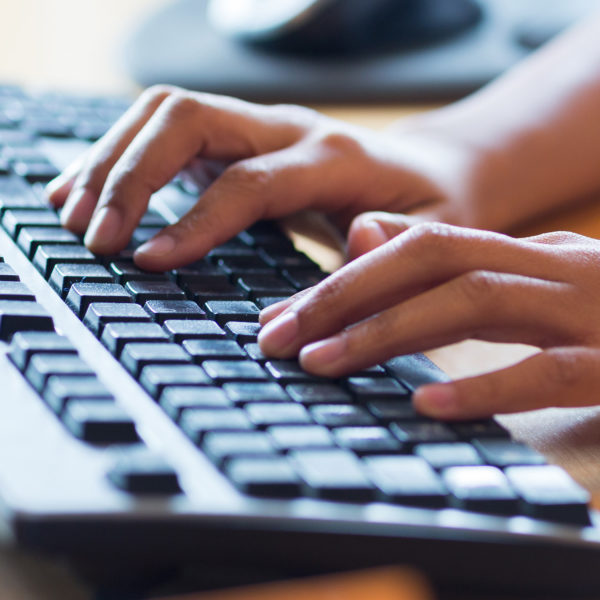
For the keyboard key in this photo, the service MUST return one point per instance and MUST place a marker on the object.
(99, 314)
(341, 415)
(407, 480)
(301, 279)
(256, 286)
(440, 456)
(36, 172)
(255, 353)
(137, 355)
(242, 332)
(201, 350)
(296, 437)
(174, 400)
(99, 422)
(179, 330)
(116, 335)
(155, 378)
(488, 428)
(7, 273)
(42, 366)
(394, 410)
(13, 220)
(60, 390)
(503, 453)
(370, 388)
(65, 275)
(318, 393)
(242, 393)
(223, 371)
(31, 237)
(549, 493)
(47, 256)
(273, 477)
(126, 270)
(142, 291)
(143, 471)
(82, 294)
(17, 315)
(422, 432)
(263, 414)
(366, 440)
(196, 422)
(481, 489)
(161, 310)
(211, 288)
(333, 474)
(220, 447)
(223, 311)
(265, 301)
(27, 343)
(289, 371)
(15, 290)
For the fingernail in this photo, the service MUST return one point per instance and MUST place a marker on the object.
(270, 312)
(158, 246)
(324, 353)
(279, 333)
(436, 399)
(104, 228)
(79, 206)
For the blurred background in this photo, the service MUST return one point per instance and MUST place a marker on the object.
(311, 51)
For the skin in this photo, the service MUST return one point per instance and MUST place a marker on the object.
(527, 143)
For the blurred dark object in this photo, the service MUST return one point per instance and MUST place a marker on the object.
(322, 28)
(407, 50)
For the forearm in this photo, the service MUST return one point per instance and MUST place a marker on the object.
(533, 134)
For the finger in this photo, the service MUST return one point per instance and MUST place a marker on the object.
(60, 187)
(556, 377)
(421, 258)
(79, 188)
(480, 305)
(184, 125)
(272, 311)
(371, 229)
(263, 187)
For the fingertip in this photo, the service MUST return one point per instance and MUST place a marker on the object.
(365, 236)
(438, 400)
(151, 255)
(270, 312)
(324, 357)
(78, 210)
(58, 190)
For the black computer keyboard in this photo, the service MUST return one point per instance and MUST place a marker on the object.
(140, 418)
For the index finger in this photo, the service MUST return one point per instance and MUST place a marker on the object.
(185, 125)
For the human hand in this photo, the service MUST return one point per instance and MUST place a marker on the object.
(281, 159)
(435, 284)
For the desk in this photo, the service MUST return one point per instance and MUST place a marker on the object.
(73, 45)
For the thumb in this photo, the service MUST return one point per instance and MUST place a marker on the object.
(372, 229)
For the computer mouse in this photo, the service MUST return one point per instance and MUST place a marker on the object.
(329, 27)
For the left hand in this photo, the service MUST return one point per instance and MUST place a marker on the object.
(434, 284)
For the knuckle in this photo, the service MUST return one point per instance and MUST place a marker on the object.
(182, 105)
(155, 94)
(431, 239)
(558, 237)
(339, 142)
(248, 176)
(564, 368)
(481, 288)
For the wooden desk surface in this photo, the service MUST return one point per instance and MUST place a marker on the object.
(74, 45)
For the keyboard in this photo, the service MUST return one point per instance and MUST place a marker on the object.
(142, 424)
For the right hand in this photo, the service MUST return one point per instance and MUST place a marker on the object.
(280, 159)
